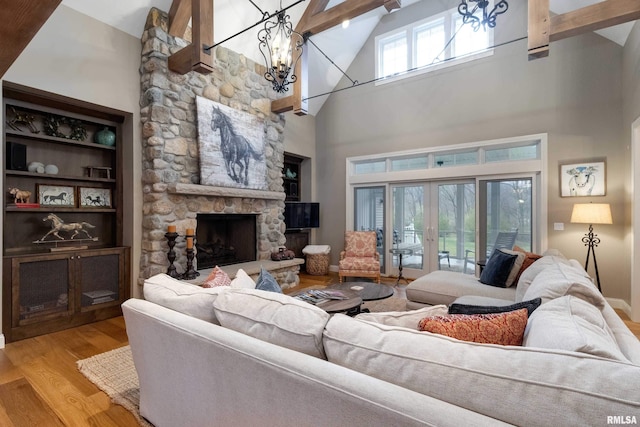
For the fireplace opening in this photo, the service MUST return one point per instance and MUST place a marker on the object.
(223, 239)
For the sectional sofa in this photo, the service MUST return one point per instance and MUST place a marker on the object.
(226, 356)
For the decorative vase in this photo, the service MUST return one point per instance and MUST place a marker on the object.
(105, 137)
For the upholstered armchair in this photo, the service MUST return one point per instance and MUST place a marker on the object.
(360, 257)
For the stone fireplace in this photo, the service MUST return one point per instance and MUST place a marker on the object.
(171, 176)
(223, 239)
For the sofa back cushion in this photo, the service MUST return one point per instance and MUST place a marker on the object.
(182, 296)
(527, 276)
(559, 280)
(570, 323)
(273, 317)
(517, 385)
(405, 319)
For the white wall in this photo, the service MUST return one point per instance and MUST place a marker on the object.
(81, 58)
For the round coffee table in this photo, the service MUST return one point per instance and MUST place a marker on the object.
(350, 305)
(370, 291)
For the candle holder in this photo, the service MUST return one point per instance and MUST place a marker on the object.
(191, 273)
(171, 256)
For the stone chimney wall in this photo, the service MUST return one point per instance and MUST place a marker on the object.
(170, 146)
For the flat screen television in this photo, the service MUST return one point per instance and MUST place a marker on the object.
(301, 215)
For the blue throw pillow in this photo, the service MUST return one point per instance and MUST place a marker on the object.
(487, 309)
(497, 270)
(267, 282)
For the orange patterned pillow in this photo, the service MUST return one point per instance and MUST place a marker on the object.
(217, 277)
(496, 328)
(529, 258)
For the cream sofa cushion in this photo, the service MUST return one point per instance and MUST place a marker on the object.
(570, 323)
(527, 276)
(182, 296)
(559, 280)
(273, 317)
(450, 370)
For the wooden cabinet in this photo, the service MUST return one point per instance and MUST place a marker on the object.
(50, 292)
(64, 260)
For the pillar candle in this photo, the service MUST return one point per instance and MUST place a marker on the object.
(172, 229)
(189, 242)
(190, 232)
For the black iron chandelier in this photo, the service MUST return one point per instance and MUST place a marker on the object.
(281, 48)
(488, 18)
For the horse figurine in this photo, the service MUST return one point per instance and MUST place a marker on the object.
(58, 225)
(236, 150)
(21, 196)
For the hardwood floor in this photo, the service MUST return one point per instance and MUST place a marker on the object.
(41, 386)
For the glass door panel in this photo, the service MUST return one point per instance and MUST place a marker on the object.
(408, 220)
(506, 207)
(369, 215)
(456, 226)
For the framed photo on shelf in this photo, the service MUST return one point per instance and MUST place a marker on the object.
(56, 195)
(583, 179)
(92, 197)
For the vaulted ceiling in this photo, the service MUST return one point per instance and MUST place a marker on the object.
(232, 16)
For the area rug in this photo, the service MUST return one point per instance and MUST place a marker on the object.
(387, 304)
(114, 373)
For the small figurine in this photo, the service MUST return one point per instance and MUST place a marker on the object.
(21, 196)
(22, 118)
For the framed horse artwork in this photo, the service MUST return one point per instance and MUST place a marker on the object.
(583, 179)
(231, 145)
(92, 197)
(56, 196)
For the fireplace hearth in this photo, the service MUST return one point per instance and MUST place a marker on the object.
(224, 239)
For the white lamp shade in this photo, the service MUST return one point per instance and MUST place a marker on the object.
(591, 213)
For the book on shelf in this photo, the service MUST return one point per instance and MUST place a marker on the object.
(23, 205)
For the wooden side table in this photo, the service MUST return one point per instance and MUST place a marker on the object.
(400, 253)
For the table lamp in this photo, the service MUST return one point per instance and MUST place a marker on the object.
(591, 213)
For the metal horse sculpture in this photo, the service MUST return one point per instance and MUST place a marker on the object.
(236, 150)
(58, 225)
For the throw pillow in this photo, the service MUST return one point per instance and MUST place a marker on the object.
(487, 309)
(529, 258)
(217, 277)
(517, 265)
(243, 280)
(499, 328)
(498, 268)
(266, 282)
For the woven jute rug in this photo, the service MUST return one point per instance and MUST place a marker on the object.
(114, 373)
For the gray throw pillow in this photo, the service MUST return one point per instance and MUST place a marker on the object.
(266, 282)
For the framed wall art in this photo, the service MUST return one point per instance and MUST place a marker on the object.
(583, 179)
(91, 197)
(56, 195)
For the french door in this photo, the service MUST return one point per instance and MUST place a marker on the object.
(432, 225)
(369, 215)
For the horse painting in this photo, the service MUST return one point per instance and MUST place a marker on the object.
(236, 150)
(58, 225)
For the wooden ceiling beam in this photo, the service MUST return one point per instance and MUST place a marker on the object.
(179, 16)
(195, 57)
(544, 28)
(594, 17)
(348, 9)
(21, 21)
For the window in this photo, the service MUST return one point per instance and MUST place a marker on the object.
(432, 43)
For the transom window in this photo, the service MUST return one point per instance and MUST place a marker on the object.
(432, 43)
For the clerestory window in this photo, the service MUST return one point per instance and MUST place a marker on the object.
(429, 44)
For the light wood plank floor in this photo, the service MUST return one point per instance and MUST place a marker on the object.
(41, 386)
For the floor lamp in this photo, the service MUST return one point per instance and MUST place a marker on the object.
(591, 213)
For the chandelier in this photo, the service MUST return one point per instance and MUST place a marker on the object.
(281, 53)
(488, 18)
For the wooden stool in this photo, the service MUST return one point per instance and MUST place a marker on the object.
(106, 169)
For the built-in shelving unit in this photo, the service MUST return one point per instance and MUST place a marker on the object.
(55, 277)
